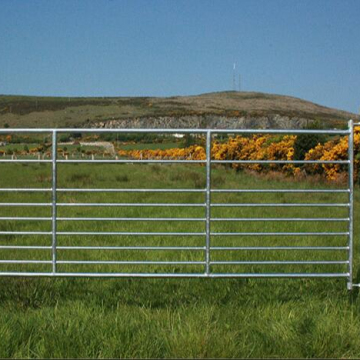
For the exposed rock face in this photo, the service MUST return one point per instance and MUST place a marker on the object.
(207, 121)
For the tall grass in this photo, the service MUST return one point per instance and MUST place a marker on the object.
(161, 318)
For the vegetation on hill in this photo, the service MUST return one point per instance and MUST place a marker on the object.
(30, 111)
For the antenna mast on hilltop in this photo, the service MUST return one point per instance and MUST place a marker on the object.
(234, 79)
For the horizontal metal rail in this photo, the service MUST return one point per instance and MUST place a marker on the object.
(276, 248)
(25, 261)
(132, 204)
(25, 233)
(174, 275)
(128, 262)
(177, 205)
(179, 248)
(133, 190)
(275, 191)
(105, 190)
(25, 190)
(25, 161)
(280, 262)
(107, 204)
(152, 248)
(180, 131)
(103, 233)
(25, 204)
(24, 218)
(155, 248)
(280, 161)
(279, 233)
(112, 233)
(278, 205)
(281, 219)
(295, 191)
(280, 131)
(172, 161)
(146, 262)
(132, 161)
(24, 247)
(9, 218)
(240, 191)
(126, 219)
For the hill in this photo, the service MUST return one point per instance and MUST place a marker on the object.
(199, 110)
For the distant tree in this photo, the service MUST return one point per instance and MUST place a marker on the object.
(26, 148)
(64, 138)
(189, 140)
(305, 142)
(76, 135)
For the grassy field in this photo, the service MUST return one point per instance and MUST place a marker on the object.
(17, 147)
(158, 318)
(151, 146)
(69, 148)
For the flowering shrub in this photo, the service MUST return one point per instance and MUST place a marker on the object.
(190, 153)
(335, 150)
(265, 147)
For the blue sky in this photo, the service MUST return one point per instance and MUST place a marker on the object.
(304, 48)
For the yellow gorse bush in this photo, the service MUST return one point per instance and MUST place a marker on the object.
(264, 147)
(335, 150)
(190, 153)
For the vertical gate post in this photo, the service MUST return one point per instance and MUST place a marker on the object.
(54, 212)
(208, 200)
(351, 203)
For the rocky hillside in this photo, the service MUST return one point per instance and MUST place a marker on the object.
(214, 110)
(211, 122)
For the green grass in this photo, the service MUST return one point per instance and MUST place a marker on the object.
(151, 146)
(158, 318)
(18, 147)
(74, 148)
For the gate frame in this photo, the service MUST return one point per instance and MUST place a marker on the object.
(208, 204)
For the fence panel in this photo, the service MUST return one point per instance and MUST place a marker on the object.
(225, 253)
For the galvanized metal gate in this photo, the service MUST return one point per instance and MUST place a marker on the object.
(10, 238)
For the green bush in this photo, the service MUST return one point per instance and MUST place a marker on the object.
(306, 142)
(189, 140)
(64, 138)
